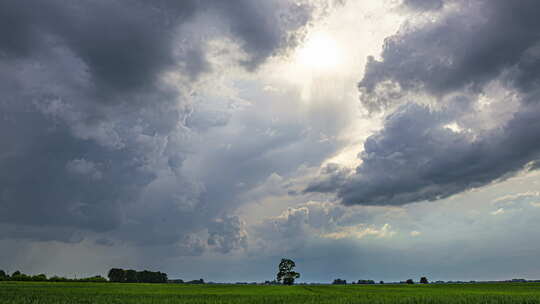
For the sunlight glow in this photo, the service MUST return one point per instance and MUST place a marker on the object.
(320, 52)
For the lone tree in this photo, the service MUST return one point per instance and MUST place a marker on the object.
(423, 280)
(286, 273)
(409, 281)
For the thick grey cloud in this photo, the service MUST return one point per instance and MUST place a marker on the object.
(93, 140)
(417, 155)
(415, 158)
(296, 227)
(264, 26)
(227, 234)
(467, 47)
(127, 44)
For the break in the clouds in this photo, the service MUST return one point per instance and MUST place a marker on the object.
(437, 78)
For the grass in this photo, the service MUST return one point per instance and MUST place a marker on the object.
(109, 293)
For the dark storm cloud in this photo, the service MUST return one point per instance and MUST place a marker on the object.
(127, 44)
(465, 48)
(332, 177)
(124, 44)
(261, 25)
(90, 134)
(416, 156)
(46, 182)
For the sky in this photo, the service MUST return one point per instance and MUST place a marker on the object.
(376, 139)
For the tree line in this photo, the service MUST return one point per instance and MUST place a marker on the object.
(120, 275)
(423, 280)
(19, 276)
(115, 275)
(286, 276)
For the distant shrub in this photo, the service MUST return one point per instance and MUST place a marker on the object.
(94, 279)
(3, 276)
(117, 275)
(339, 282)
(58, 279)
(39, 278)
(18, 276)
(131, 276)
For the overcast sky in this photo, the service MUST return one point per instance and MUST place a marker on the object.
(369, 139)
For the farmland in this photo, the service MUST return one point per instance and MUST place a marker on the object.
(105, 293)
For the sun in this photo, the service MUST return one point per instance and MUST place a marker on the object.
(320, 52)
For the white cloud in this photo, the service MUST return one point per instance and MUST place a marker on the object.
(516, 196)
(360, 231)
(415, 233)
(535, 204)
(498, 211)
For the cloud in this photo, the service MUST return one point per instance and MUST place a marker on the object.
(264, 28)
(124, 45)
(457, 50)
(498, 211)
(510, 198)
(332, 177)
(415, 158)
(360, 232)
(227, 234)
(84, 168)
(96, 137)
(127, 45)
(315, 222)
(295, 227)
(415, 233)
(458, 61)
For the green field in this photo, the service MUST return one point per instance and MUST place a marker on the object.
(102, 293)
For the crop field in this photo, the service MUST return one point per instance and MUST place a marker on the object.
(105, 293)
